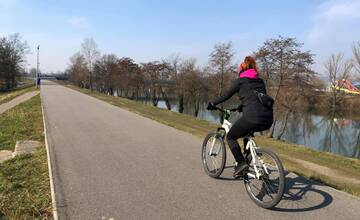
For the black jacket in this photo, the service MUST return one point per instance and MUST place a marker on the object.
(253, 110)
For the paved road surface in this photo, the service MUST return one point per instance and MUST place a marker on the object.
(14, 102)
(111, 163)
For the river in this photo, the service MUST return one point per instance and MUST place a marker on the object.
(323, 133)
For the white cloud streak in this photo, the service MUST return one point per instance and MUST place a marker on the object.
(78, 22)
(332, 16)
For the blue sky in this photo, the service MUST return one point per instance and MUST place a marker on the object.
(151, 30)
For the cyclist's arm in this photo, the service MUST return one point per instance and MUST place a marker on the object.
(234, 88)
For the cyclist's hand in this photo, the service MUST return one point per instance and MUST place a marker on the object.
(211, 106)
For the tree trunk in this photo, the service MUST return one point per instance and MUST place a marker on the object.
(91, 87)
(154, 99)
(272, 129)
(167, 102)
(285, 125)
(197, 107)
(181, 103)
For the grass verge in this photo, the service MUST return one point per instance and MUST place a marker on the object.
(336, 171)
(7, 96)
(24, 180)
(24, 122)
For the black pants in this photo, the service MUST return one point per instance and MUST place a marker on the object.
(239, 129)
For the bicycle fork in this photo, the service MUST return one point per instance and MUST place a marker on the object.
(212, 147)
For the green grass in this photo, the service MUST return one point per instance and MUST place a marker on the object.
(295, 157)
(24, 187)
(24, 180)
(8, 96)
(21, 123)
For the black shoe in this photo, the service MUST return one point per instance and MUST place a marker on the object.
(240, 168)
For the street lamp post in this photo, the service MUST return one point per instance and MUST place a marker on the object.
(37, 68)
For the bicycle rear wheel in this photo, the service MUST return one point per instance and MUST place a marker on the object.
(267, 190)
(213, 154)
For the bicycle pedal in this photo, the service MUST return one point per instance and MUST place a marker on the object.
(238, 176)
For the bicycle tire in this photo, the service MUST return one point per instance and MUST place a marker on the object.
(204, 156)
(281, 185)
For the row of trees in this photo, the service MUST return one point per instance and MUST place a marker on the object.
(171, 78)
(12, 55)
(283, 64)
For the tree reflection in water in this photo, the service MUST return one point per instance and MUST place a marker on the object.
(330, 133)
(333, 140)
(356, 150)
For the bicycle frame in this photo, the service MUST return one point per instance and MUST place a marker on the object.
(226, 126)
(250, 146)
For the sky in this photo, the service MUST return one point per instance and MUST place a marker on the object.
(156, 29)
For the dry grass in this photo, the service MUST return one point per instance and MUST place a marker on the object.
(24, 180)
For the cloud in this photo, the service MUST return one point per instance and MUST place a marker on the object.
(341, 10)
(78, 22)
(333, 16)
(334, 29)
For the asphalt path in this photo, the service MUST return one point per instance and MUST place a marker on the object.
(16, 101)
(109, 163)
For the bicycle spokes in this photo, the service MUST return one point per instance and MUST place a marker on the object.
(265, 180)
(214, 155)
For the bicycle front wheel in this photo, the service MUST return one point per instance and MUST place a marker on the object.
(213, 154)
(267, 189)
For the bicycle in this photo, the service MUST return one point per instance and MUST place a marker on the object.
(263, 165)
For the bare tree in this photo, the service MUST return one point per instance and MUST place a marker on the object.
(282, 60)
(12, 56)
(221, 62)
(195, 86)
(284, 65)
(175, 63)
(105, 71)
(78, 70)
(356, 52)
(157, 73)
(338, 72)
(89, 50)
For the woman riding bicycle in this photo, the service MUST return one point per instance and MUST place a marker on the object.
(256, 116)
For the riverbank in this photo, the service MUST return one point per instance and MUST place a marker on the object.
(339, 172)
(24, 180)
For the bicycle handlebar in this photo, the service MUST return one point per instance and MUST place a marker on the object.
(223, 110)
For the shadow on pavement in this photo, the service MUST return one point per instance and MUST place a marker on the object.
(302, 195)
(228, 174)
